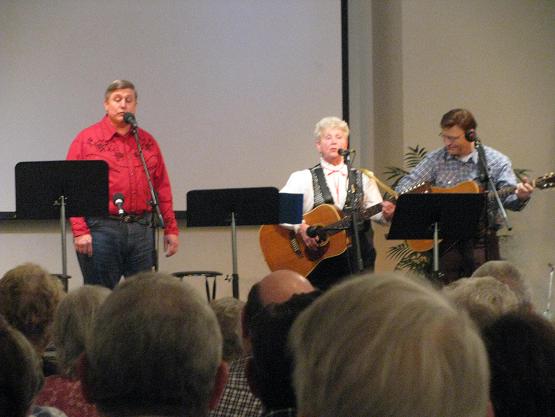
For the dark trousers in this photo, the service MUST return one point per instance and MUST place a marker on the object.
(119, 249)
(460, 258)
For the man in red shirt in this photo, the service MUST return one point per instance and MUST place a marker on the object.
(109, 248)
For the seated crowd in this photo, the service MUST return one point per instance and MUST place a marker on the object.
(376, 345)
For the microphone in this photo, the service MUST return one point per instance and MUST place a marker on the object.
(345, 152)
(118, 202)
(129, 118)
(316, 231)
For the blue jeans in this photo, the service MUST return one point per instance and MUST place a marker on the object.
(119, 249)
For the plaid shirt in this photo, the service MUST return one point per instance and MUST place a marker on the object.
(237, 399)
(443, 170)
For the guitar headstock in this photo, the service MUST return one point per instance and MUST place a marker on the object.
(545, 181)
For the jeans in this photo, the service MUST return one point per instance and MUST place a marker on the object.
(119, 249)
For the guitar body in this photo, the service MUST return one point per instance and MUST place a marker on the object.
(282, 249)
(468, 187)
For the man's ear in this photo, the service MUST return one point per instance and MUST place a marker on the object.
(249, 372)
(82, 371)
(219, 385)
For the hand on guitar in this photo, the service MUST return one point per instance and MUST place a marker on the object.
(524, 189)
(388, 208)
(310, 242)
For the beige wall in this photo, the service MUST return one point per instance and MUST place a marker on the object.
(494, 57)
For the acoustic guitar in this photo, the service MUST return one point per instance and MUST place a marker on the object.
(470, 187)
(283, 249)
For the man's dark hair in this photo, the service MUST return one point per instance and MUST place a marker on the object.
(458, 117)
(253, 307)
(272, 362)
(521, 350)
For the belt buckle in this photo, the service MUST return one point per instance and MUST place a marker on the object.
(127, 218)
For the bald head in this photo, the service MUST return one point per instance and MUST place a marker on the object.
(279, 286)
(276, 287)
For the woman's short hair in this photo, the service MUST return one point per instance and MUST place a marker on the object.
(331, 122)
(228, 312)
(509, 274)
(29, 296)
(478, 293)
(72, 323)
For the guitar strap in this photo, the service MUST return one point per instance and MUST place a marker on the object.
(322, 194)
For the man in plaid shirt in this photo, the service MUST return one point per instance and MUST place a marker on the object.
(458, 161)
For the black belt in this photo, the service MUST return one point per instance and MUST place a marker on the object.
(131, 218)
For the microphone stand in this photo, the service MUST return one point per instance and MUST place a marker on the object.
(157, 220)
(485, 178)
(352, 190)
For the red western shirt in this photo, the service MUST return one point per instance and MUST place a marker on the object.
(125, 170)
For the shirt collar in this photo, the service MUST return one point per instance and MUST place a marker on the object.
(108, 129)
(330, 167)
(471, 156)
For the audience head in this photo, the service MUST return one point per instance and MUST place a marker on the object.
(20, 373)
(228, 312)
(29, 296)
(270, 369)
(521, 349)
(72, 323)
(484, 298)
(384, 345)
(508, 274)
(276, 287)
(155, 348)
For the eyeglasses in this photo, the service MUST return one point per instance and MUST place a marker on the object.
(449, 138)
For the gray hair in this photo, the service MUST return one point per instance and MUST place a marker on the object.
(331, 122)
(73, 320)
(481, 295)
(155, 348)
(29, 296)
(119, 85)
(508, 274)
(383, 345)
(228, 313)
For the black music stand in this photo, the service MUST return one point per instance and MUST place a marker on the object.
(233, 207)
(434, 216)
(60, 189)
